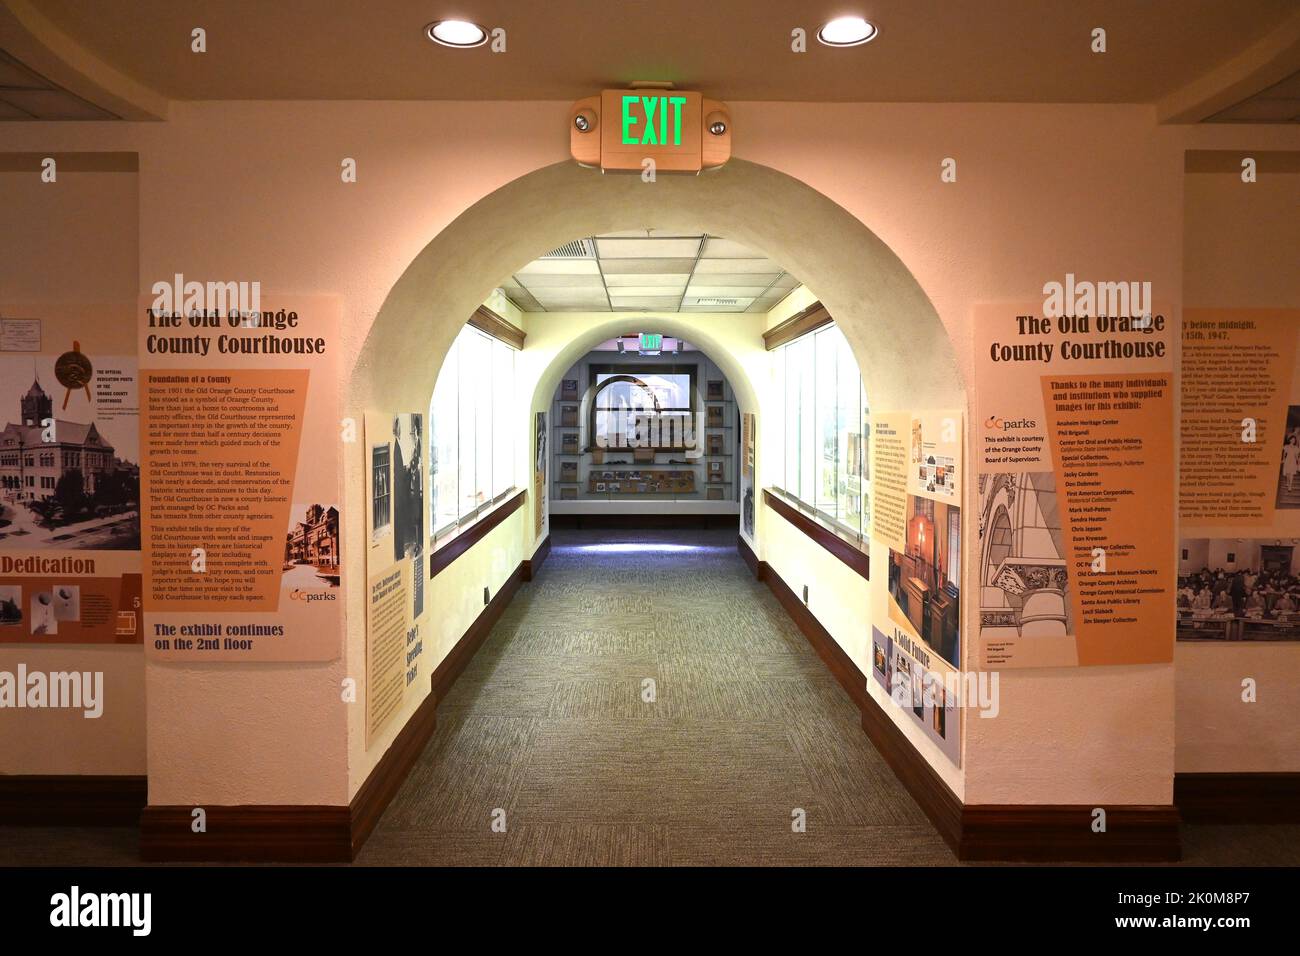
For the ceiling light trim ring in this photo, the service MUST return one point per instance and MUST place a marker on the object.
(843, 23)
(430, 31)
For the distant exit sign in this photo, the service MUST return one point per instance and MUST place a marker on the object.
(678, 130)
(651, 342)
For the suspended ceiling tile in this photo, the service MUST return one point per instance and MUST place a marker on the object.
(677, 279)
(648, 266)
(558, 281)
(14, 75)
(713, 308)
(560, 267)
(786, 281)
(523, 299)
(573, 303)
(1288, 89)
(650, 234)
(646, 302)
(764, 279)
(55, 105)
(1260, 111)
(694, 291)
(623, 292)
(8, 112)
(715, 266)
(647, 248)
(715, 248)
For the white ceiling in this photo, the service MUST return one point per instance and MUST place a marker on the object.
(649, 271)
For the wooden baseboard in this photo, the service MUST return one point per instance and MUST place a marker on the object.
(534, 564)
(318, 834)
(370, 802)
(749, 557)
(1050, 834)
(247, 834)
(1238, 797)
(90, 800)
(1016, 833)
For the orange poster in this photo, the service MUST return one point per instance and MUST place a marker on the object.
(240, 439)
(1074, 455)
(1239, 492)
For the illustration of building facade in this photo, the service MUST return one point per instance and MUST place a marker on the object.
(314, 540)
(1024, 581)
(30, 467)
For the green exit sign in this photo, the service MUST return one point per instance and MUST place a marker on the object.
(652, 120)
(651, 342)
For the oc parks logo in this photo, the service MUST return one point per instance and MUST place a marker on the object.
(998, 423)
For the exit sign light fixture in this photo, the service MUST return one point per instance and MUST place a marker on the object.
(679, 130)
(650, 343)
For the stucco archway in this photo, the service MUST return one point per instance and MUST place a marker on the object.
(901, 346)
(886, 316)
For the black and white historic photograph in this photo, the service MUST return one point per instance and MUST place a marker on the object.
(1288, 479)
(69, 461)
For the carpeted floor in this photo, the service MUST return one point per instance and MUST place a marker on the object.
(549, 724)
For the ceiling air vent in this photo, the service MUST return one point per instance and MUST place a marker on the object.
(578, 249)
(715, 300)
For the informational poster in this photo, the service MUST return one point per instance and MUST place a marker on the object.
(747, 433)
(69, 478)
(1075, 462)
(240, 437)
(539, 475)
(395, 570)
(1239, 496)
(917, 475)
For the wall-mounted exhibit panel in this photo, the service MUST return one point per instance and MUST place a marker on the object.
(916, 625)
(69, 479)
(1075, 449)
(1239, 497)
(395, 575)
(241, 434)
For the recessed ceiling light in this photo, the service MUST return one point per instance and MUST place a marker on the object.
(457, 33)
(847, 31)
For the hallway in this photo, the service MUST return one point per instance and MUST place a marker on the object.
(548, 723)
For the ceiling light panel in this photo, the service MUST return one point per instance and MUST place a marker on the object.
(724, 290)
(646, 266)
(570, 267)
(715, 248)
(552, 282)
(671, 280)
(14, 75)
(763, 279)
(647, 248)
(623, 292)
(646, 302)
(714, 266)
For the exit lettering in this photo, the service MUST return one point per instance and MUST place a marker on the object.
(651, 114)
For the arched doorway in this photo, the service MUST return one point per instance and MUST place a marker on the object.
(900, 344)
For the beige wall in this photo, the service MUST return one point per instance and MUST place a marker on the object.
(1240, 246)
(251, 191)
